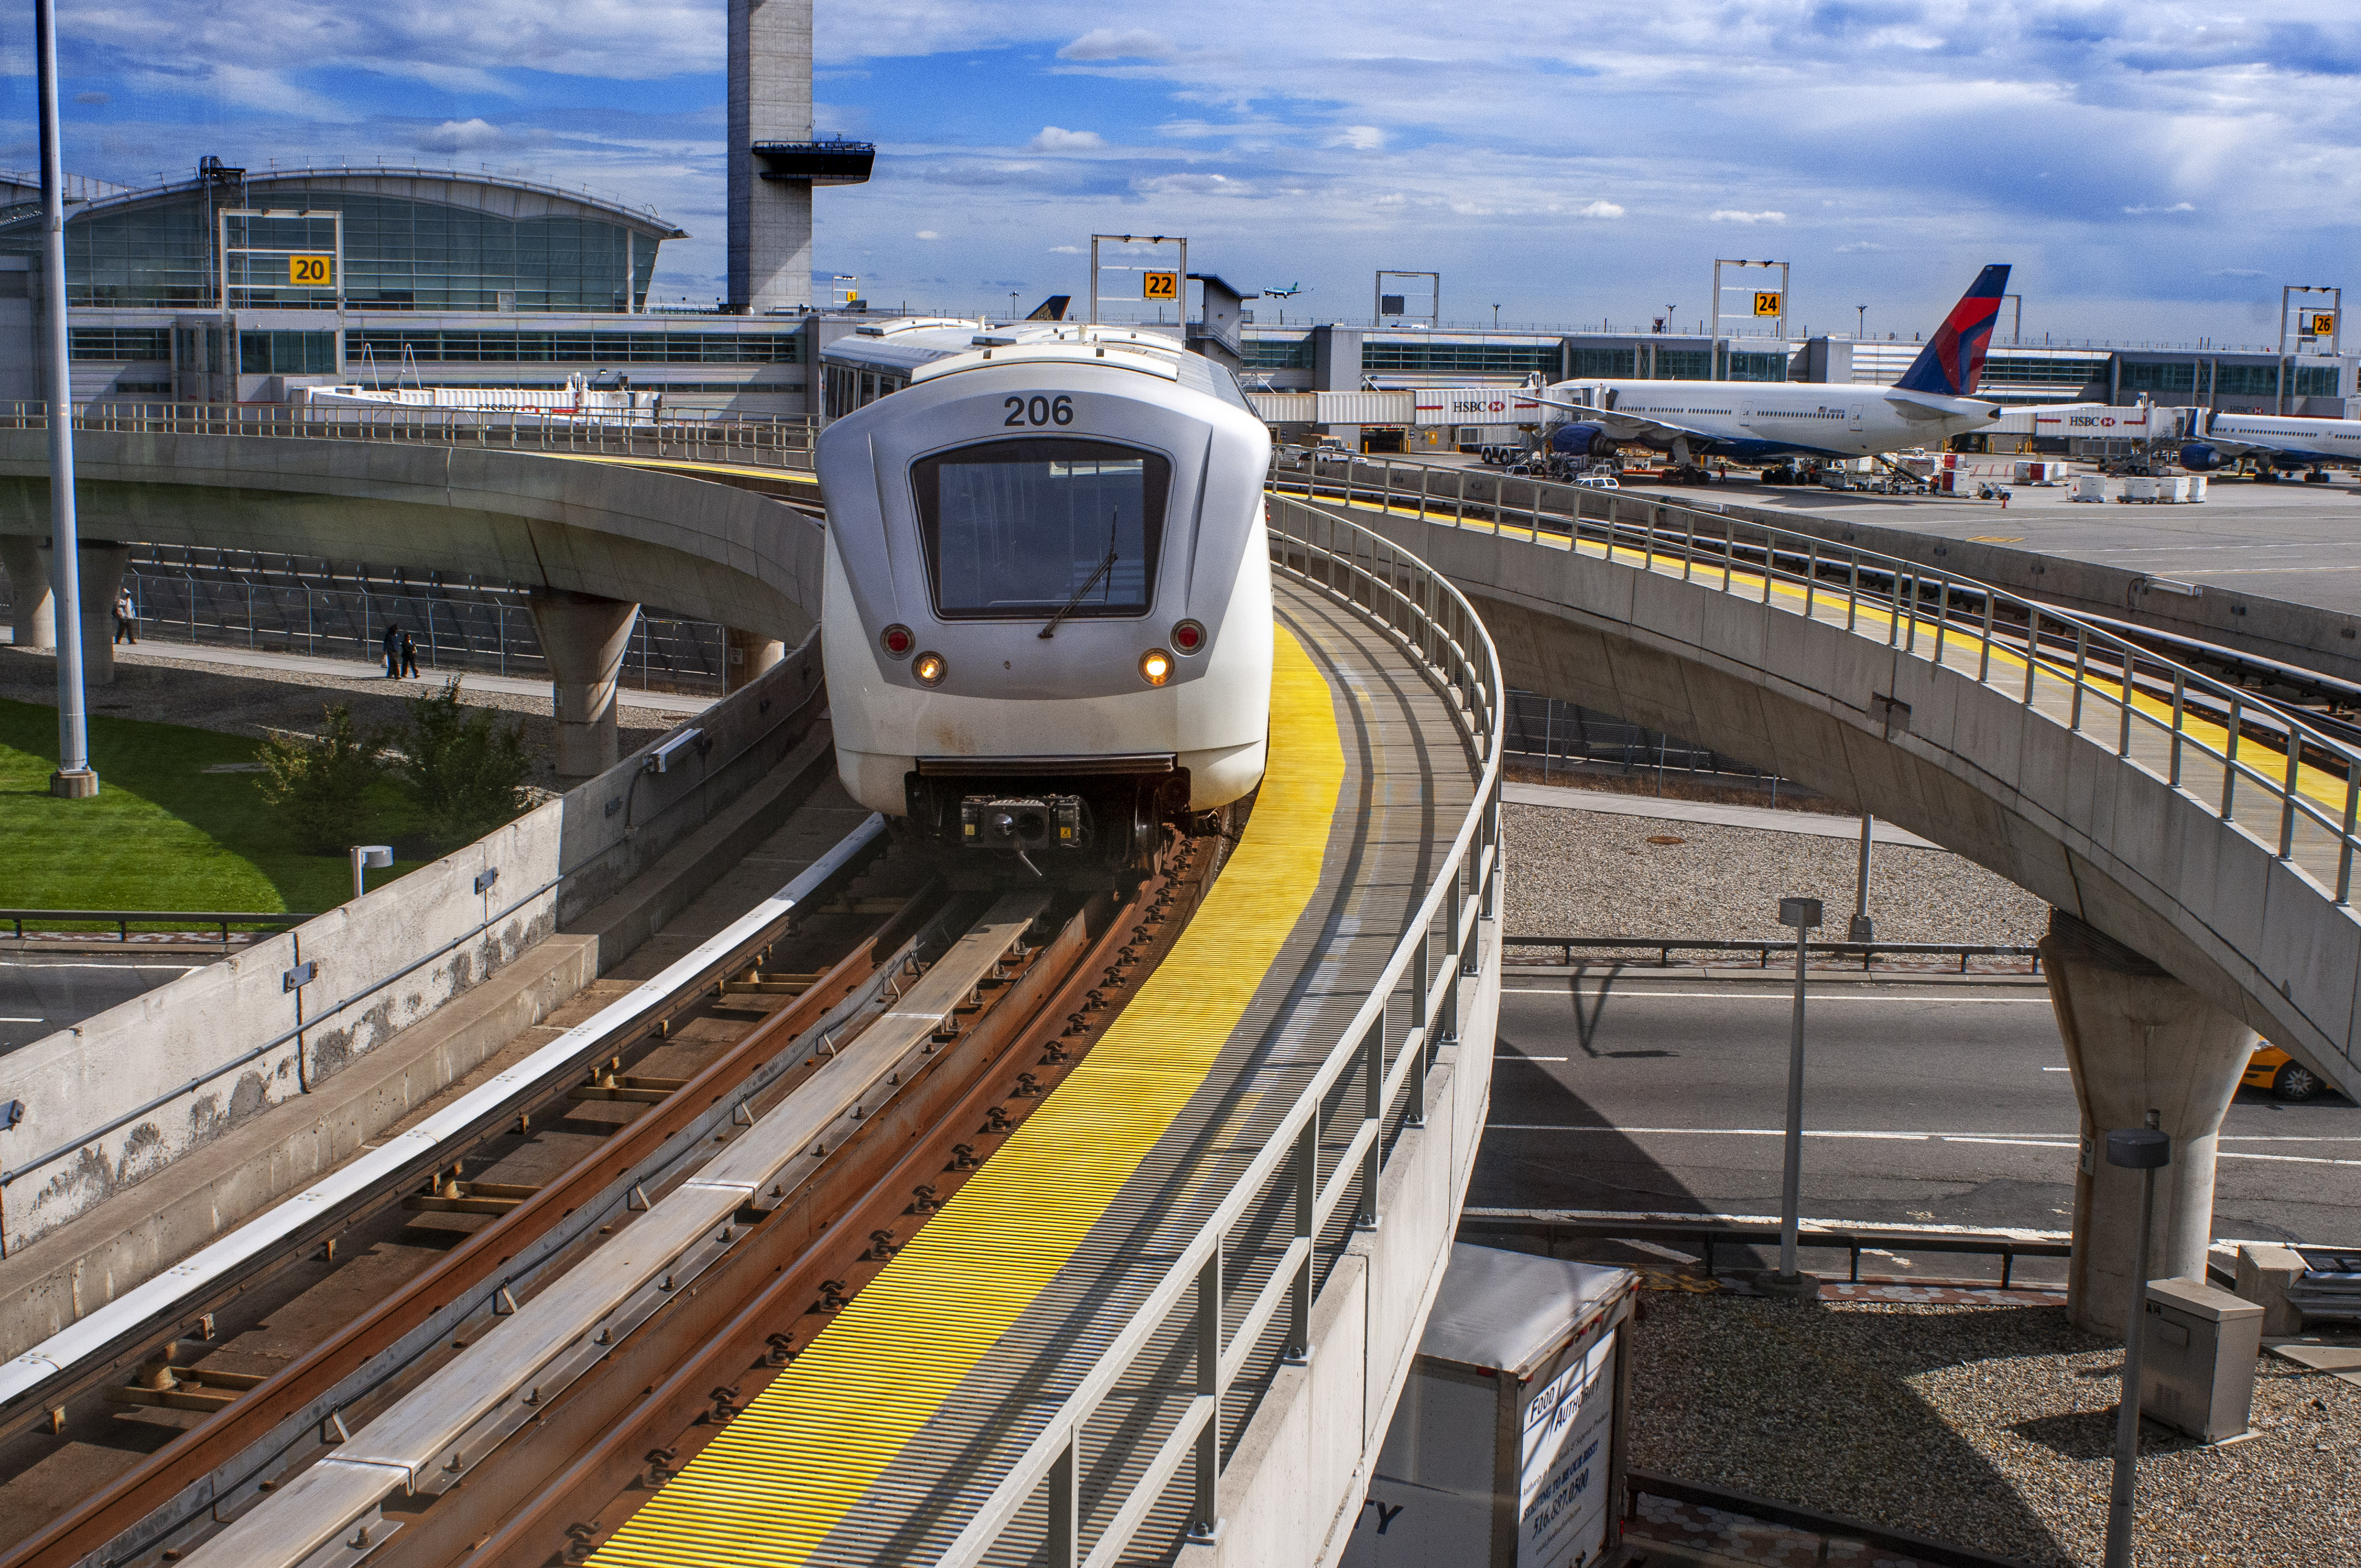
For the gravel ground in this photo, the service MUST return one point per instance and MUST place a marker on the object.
(1988, 1427)
(204, 696)
(1588, 873)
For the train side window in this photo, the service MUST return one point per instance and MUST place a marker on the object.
(1016, 529)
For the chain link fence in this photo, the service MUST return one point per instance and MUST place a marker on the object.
(1563, 738)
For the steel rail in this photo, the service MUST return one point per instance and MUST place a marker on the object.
(1921, 621)
(139, 1314)
(224, 1465)
(436, 1434)
(1434, 623)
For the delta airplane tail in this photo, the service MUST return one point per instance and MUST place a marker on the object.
(1951, 364)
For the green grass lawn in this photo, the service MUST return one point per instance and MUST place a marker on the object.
(163, 833)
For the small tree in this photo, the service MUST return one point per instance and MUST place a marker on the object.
(315, 786)
(466, 771)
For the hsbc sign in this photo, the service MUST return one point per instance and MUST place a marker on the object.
(1476, 405)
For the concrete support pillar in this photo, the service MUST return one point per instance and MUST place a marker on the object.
(33, 602)
(102, 565)
(747, 654)
(2138, 1040)
(583, 636)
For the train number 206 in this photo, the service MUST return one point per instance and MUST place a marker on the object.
(1023, 411)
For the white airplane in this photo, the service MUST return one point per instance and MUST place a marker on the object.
(2277, 441)
(1758, 422)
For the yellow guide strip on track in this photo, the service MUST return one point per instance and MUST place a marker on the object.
(783, 1473)
(794, 475)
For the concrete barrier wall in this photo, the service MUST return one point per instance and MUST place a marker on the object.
(116, 1100)
(1965, 766)
(667, 537)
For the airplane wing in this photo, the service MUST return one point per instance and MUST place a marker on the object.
(1628, 426)
(1922, 409)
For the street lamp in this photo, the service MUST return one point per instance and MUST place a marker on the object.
(1803, 914)
(75, 779)
(1861, 327)
(2146, 1150)
(1495, 318)
(368, 856)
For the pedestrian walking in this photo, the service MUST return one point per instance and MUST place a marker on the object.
(126, 619)
(409, 654)
(393, 651)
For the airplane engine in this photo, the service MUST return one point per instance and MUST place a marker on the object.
(2200, 459)
(1582, 443)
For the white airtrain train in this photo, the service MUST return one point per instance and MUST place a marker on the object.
(2274, 442)
(1759, 422)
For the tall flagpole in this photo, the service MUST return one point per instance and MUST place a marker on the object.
(73, 778)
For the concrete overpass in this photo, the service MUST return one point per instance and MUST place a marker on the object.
(595, 525)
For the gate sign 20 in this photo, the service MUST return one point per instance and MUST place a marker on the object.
(1159, 285)
(1766, 303)
(311, 271)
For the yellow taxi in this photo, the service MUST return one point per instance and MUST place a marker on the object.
(2274, 1069)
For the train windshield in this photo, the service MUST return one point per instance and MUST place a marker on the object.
(1036, 526)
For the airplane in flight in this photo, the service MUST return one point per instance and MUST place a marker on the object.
(2274, 442)
(1287, 293)
(1764, 422)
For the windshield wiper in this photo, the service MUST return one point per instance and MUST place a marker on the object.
(1104, 567)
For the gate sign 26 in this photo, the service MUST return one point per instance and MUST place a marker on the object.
(311, 271)
(1766, 303)
(2321, 323)
(1159, 285)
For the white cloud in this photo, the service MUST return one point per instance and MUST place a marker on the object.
(1732, 215)
(1065, 250)
(2238, 272)
(1599, 210)
(1190, 185)
(1056, 138)
(1359, 138)
(2176, 207)
(1860, 246)
(1108, 43)
(459, 136)
(928, 234)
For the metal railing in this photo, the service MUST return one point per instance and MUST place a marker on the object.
(1867, 952)
(1434, 623)
(171, 920)
(776, 443)
(2236, 751)
(1708, 1234)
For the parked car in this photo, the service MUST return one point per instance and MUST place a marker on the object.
(1597, 481)
(2274, 1069)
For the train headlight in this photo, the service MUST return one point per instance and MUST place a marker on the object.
(929, 668)
(1189, 637)
(1156, 666)
(898, 641)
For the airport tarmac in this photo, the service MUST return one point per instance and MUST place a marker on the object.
(1945, 1103)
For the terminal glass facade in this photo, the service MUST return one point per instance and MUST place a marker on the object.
(1754, 367)
(1603, 364)
(396, 346)
(400, 253)
(1461, 358)
(1278, 354)
(2042, 371)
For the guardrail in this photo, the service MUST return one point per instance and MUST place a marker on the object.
(177, 920)
(1708, 1234)
(1867, 952)
(1433, 621)
(2148, 711)
(1830, 1531)
(777, 444)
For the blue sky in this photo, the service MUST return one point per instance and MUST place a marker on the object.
(2153, 171)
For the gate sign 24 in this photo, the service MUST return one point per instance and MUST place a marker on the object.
(311, 271)
(1766, 303)
(1159, 285)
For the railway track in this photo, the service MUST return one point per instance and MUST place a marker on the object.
(593, 1314)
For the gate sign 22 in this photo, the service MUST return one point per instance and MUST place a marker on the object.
(1766, 303)
(311, 271)
(1159, 285)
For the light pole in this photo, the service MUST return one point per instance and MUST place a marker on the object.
(1861, 327)
(74, 779)
(1863, 929)
(367, 856)
(2146, 1150)
(1495, 318)
(1803, 914)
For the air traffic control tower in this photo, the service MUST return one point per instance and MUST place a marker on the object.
(774, 160)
